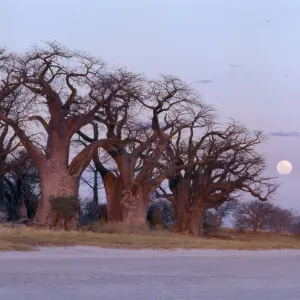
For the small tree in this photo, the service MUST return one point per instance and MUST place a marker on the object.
(253, 214)
(295, 226)
(281, 220)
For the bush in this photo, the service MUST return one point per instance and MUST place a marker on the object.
(93, 213)
(66, 207)
(161, 212)
(3, 217)
(281, 220)
(210, 224)
(214, 218)
(295, 227)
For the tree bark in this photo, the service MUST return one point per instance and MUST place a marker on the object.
(128, 205)
(134, 204)
(112, 189)
(180, 203)
(58, 179)
(133, 199)
(56, 182)
(113, 197)
(196, 223)
(193, 223)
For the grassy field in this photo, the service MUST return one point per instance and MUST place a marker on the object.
(120, 236)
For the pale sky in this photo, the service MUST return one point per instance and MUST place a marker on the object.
(242, 55)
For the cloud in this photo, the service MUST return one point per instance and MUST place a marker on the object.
(285, 134)
(204, 81)
(234, 66)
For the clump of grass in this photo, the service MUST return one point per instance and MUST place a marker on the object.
(9, 246)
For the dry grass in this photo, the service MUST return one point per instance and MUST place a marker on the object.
(9, 246)
(124, 236)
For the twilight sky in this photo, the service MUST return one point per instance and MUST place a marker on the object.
(242, 55)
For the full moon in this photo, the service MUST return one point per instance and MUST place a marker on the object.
(284, 167)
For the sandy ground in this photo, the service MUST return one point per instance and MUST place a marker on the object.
(92, 273)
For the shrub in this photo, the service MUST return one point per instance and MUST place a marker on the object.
(3, 217)
(161, 212)
(93, 213)
(66, 207)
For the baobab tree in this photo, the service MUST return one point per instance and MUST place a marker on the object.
(233, 166)
(171, 106)
(63, 90)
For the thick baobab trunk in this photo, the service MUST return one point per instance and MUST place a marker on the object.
(196, 223)
(181, 198)
(193, 223)
(133, 198)
(112, 190)
(129, 205)
(196, 217)
(181, 218)
(134, 205)
(56, 182)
